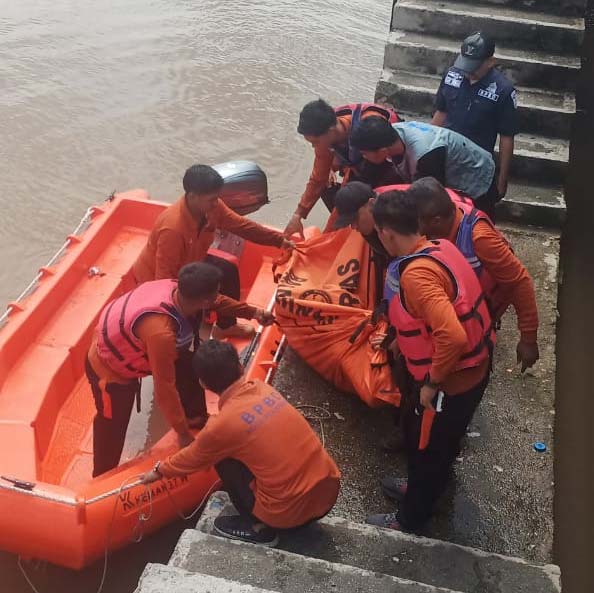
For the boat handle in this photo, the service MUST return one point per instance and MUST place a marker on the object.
(22, 484)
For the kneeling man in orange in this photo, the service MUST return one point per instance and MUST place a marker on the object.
(271, 462)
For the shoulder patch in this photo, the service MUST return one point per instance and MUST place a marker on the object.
(454, 78)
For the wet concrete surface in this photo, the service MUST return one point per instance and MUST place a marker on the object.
(501, 499)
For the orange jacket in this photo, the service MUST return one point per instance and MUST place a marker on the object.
(178, 239)
(512, 278)
(429, 292)
(295, 480)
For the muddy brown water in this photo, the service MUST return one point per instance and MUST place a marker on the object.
(129, 93)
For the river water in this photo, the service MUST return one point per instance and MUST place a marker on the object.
(97, 96)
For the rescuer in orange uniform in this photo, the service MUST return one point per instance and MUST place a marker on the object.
(276, 470)
(502, 275)
(443, 331)
(328, 130)
(148, 331)
(183, 233)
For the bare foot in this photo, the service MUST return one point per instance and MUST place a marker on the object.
(239, 330)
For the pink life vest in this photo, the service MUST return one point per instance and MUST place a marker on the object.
(413, 334)
(496, 299)
(117, 344)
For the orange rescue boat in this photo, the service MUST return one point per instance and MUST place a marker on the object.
(50, 507)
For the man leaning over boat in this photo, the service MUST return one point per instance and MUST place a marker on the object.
(148, 331)
(184, 232)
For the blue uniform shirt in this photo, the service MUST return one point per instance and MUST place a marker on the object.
(481, 110)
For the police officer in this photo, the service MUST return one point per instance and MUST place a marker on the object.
(478, 101)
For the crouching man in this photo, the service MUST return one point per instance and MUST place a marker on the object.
(271, 462)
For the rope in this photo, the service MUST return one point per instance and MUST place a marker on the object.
(322, 415)
(137, 531)
(180, 513)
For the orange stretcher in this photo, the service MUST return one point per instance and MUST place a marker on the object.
(50, 507)
(326, 298)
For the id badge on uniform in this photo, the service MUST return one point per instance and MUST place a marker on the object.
(454, 79)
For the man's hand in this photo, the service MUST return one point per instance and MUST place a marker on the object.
(427, 396)
(295, 226)
(502, 187)
(287, 245)
(528, 354)
(151, 477)
(264, 317)
(185, 438)
(377, 340)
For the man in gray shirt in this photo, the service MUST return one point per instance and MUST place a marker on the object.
(422, 150)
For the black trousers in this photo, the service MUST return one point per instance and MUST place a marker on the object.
(488, 201)
(429, 469)
(114, 402)
(230, 285)
(237, 478)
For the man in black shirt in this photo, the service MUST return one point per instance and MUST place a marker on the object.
(478, 101)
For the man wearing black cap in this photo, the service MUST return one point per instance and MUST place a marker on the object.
(478, 101)
(353, 203)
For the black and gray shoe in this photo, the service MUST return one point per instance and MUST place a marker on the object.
(394, 488)
(237, 527)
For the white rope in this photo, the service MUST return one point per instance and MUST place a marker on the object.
(180, 513)
(324, 415)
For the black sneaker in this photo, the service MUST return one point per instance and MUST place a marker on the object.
(237, 527)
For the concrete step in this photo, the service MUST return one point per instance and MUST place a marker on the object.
(424, 54)
(539, 110)
(570, 8)
(417, 559)
(510, 25)
(533, 204)
(540, 159)
(279, 570)
(157, 578)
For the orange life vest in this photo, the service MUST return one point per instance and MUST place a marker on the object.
(497, 301)
(413, 334)
(117, 344)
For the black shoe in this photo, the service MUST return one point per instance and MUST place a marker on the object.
(394, 488)
(237, 527)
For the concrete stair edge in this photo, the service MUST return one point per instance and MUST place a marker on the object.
(551, 570)
(505, 13)
(566, 9)
(158, 578)
(506, 26)
(325, 576)
(502, 51)
(433, 55)
(379, 540)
